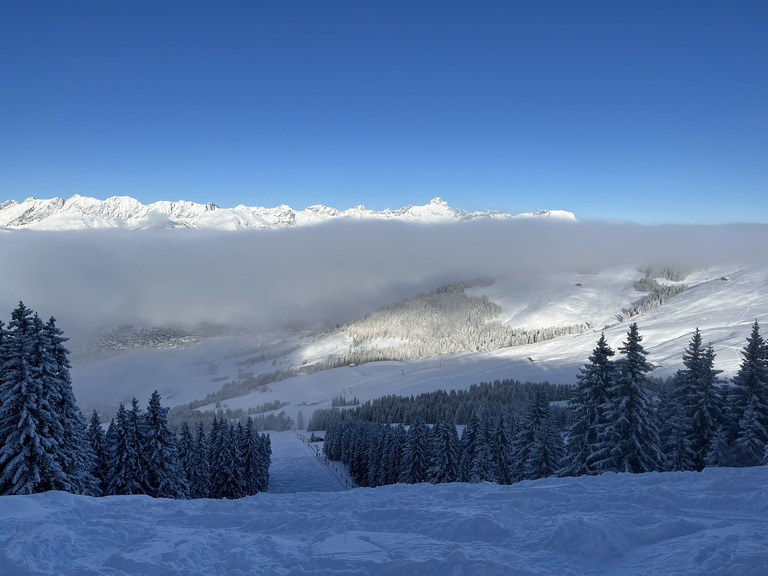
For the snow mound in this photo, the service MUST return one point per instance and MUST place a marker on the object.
(713, 522)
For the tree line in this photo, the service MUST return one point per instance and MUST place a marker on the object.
(616, 424)
(507, 397)
(46, 444)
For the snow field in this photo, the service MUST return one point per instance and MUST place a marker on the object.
(713, 522)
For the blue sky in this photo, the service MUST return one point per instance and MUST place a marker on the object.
(644, 111)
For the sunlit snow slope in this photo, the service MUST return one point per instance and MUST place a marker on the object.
(723, 309)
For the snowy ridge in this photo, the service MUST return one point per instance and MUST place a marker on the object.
(81, 213)
(685, 523)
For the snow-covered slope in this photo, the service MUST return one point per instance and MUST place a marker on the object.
(684, 523)
(722, 309)
(79, 213)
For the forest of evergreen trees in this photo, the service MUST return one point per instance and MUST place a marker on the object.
(615, 424)
(508, 398)
(45, 443)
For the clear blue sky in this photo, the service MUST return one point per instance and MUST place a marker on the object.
(645, 111)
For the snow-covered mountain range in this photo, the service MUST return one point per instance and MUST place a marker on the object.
(81, 213)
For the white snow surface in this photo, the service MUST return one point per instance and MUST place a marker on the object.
(683, 523)
(722, 309)
(80, 213)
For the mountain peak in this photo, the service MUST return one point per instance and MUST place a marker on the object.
(82, 212)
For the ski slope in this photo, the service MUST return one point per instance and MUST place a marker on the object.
(714, 522)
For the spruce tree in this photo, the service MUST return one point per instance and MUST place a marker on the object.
(76, 455)
(749, 424)
(415, 462)
(501, 451)
(162, 474)
(588, 405)
(201, 469)
(30, 430)
(471, 438)
(483, 469)
(444, 454)
(632, 436)
(538, 446)
(125, 459)
(98, 443)
(250, 449)
(705, 409)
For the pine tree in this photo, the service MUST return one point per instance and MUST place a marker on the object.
(471, 438)
(250, 449)
(538, 446)
(749, 424)
(201, 469)
(444, 454)
(225, 479)
(705, 408)
(483, 469)
(126, 474)
(415, 460)
(501, 450)
(163, 476)
(76, 455)
(632, 433)
(98, 443)
(588, 405)
(393, 452)
(30, 430)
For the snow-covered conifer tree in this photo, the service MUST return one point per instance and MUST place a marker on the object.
(250, 448)
(538, 448)
(632, 433)
(76, 455)
(588, 405)
(201, 469)
(749, 425)
(126, 473)
(98, 443)
(30, 430)
(501, 451)
(444, 454)
(185, 447)
(415, 462)
(163, 477)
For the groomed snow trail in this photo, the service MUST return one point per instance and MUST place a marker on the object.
(297, 468)
(685, 523)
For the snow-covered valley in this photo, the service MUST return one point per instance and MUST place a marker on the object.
(722, 302)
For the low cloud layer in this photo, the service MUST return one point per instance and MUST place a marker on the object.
(323, 274)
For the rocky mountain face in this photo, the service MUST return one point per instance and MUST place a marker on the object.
(81, 213)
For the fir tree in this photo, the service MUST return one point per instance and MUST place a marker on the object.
(415, 460)
(98, 444)
(538, 446)
(483, 469)
(471, 438)
(749, 424)
(30, 430)
(444, 454)
(76, 455)
(588, 405)
(631, 439)
(501, 450)
(125, 462)
(393, 452)
(200, 477)
(704, 407)
(163, 476)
